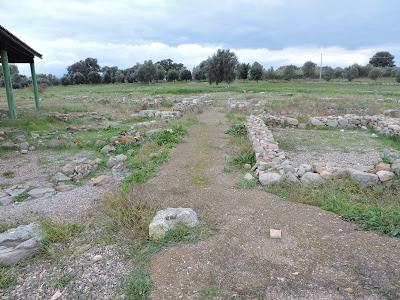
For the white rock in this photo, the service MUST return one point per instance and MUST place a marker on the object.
(385, 175)
(169, 218)
(16, 190)
(267, 178)
(107, 149)
(248, 176)
(20, 243)
(60, 177)
(115, 160)
(310, 177)
(363, 178)
(56, 295)
(97, 258)
(275, 233)
(100, 180)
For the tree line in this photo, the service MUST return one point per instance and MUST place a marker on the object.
(222, 66)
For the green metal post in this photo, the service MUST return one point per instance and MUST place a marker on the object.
(7, 82)
(35, 86)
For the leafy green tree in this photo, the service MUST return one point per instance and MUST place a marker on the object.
(338, 72)
(172, 75)
(94, 77)
(160, 72)
(111, 72)
(221, 66)
(327, 73)
(200, 72)
(375, 73)
(84, 67)
(256, 71)
(169, 64)
(119, 76)
(185, 75)
(351, 72)
(242, 71)
(66, 80)
(269, 74)
(289, 72)
(382, 59)
(309, 69)
(147, 72)
(78, 78)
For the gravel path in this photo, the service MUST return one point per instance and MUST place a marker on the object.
(319, 256)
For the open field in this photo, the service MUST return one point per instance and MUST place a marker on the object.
(93, 172)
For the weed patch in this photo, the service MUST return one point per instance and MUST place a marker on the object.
(64, 280)
(371, 209)
(8, 278)
(21, 197)
(8, 174)
(243, 158)
(245, 183)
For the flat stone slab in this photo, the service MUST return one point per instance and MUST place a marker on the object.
(41, 192)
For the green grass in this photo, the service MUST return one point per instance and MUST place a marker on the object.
(138, 285)
(8, 278)
(21, 197)
(64, 280)
(235, 118)
(245, 183)
(239, 160)
(3, 227)
(372, 209)
(8, 174)
(56, 233)
(237, 130)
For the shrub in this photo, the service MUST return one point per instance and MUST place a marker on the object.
(237, 130)
(398, 75)
(256, 71)
(185, 75)
(375, 73)
(66, 80)
(351, 73)
(172, 75)
(309, 69)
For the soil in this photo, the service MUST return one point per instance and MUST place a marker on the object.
(319, 256)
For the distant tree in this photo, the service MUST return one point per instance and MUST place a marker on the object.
(172, 75)
(84, 67)
(387, 71)
(309, 69)
(146, 72)
(375, 73)
(78, 78)
(398, 75)
(327, 73)
(107, 77)
(242, 71)
(19, 81)
(111, 72)
(200, 72)
(131, 73)
(269, 74)
(351, 72)
(364, 70)
(185, 75)
(382, 59)
(338, 72)
(119, 76)
(221, 66)
(168, 64)
(160, 72)
(94, 77)
(289, 72)
(66, 80)
(256, 71)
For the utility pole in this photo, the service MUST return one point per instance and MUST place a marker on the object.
(320, 68)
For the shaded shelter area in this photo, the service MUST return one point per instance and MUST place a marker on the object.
(13, 50)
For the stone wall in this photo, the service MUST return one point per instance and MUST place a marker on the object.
(380, 123)
(273, 166)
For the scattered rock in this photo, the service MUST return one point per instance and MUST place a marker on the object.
(275, 234)
(24, 146)
(20, 243)
(62, 187)
(363, 178)
(97, 258)
(267, 178)
(100, 180)
(310, 177)
(107, 149)
(396, 167)
(6, 200)
(56, 295)
(385, 175)
(382, 167)
(41, 192)
(289, 176)
(152, 132)
(248, 176)
(8, 145)
(247, 166)
(60, 177)
(115, 160)
(16, 190)
(169, 218)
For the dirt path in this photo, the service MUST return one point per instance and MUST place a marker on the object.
(318, 257)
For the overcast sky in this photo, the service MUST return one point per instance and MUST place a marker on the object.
(272, 32)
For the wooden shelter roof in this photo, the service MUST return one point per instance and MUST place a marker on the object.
(17, 50)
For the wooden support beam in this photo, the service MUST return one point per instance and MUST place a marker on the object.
(35, 87)
(12, 113)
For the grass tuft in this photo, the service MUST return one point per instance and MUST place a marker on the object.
(243, 158)
(56, 233)
(8, 174)
(245, 183)
(372, 209)
(21, 197)
(8, 278)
